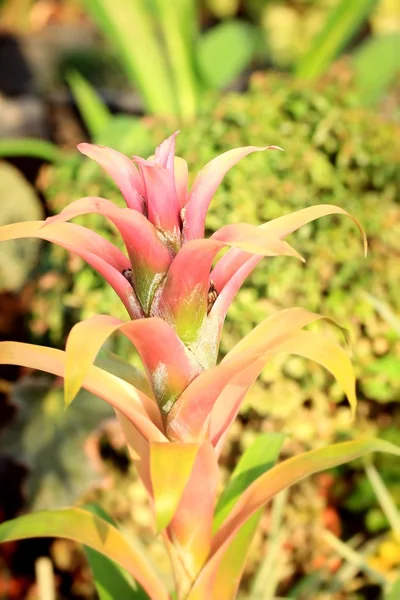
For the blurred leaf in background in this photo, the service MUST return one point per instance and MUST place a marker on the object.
(377, 65)
(51, 441)
(224, 51)
(18, 202)
(343, 21)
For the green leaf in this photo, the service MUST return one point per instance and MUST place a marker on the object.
(376, 66)
(176, 19)
(18, 202)
(289, 472)
(111, 580)
(256, 460)
(344, 20)
(224, 51)
(92, 108)
(30, 147)
(231, 567)
(86, 528)
(253, 463)
(129, 27)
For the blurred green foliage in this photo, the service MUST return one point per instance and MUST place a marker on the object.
(18, 202)
(335, 153)
(52, 442)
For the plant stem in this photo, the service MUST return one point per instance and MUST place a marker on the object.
(353, 557)
(385, 499)
(45, 579)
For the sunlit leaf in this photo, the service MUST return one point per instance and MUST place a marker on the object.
(82, 526)
(138, 408)
(255, 461)
(291, 471)
(376, 65)
(110, 579)
(170, 467)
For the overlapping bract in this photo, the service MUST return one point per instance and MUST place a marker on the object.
(177, 301)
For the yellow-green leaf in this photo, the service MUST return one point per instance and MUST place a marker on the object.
(86, 528)
(170, 467)
(291, 471)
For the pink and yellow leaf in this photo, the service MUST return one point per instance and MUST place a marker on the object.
(121, 169)
(168, 363)
(91, 247)
(138, 408)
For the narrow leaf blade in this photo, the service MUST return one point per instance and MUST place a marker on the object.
(128, 26)
(30, 147)
(92, 108)
(85, 528)
(344, 20)
(111, 580)
(255, 461)
(291, 471)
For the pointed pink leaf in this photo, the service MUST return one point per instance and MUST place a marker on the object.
(253, 239)
(86, 528)
(191, 528)
(165, 157)
(162, 201)
(181, 180)
(170, 366)
(138, 408)
(149, 256)
(283, 226)
(121, 169)
(228, 403)
(205, 185)
(165, 152)
(183, 298)
(226, 294)
(221, 576)
(91, 247)
(236, 265)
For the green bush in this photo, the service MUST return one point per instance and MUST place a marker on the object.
(334, 153)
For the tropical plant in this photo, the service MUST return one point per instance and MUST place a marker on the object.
(176, 415)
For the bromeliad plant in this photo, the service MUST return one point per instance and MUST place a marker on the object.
(176, 416)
